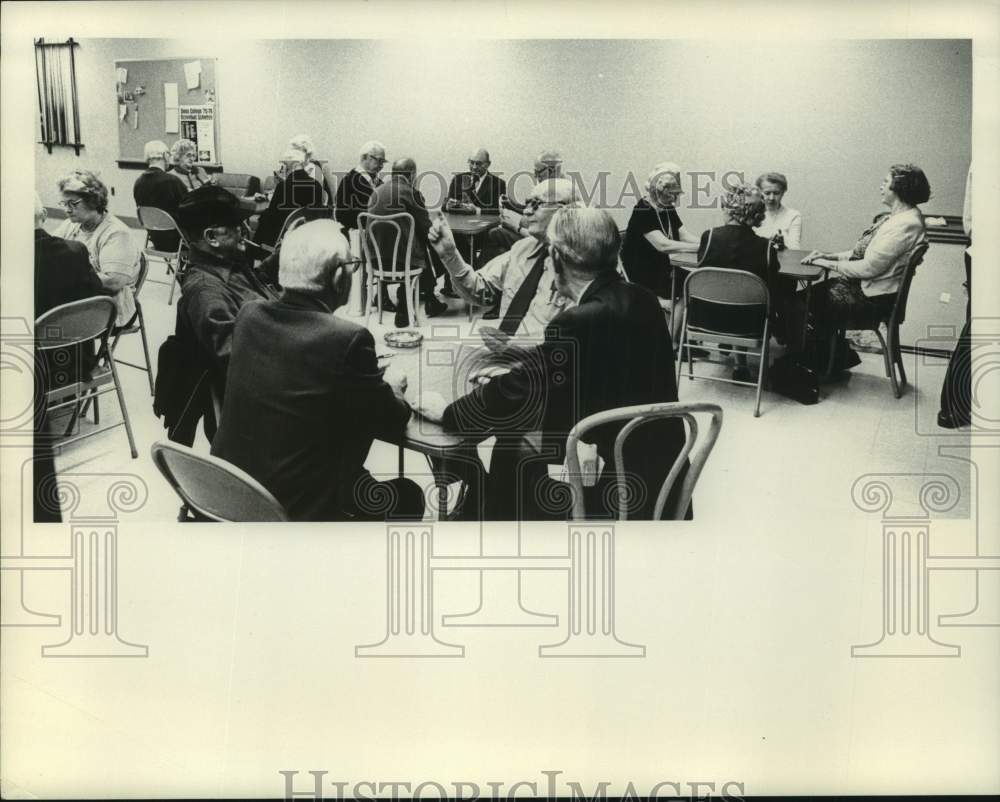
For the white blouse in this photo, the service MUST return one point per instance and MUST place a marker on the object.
(787, 221)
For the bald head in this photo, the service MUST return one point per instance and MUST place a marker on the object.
(479, 162)
(542, 202)
(554, 190)
(404, 166)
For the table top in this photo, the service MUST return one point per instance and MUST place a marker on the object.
(790, 261)
(443, 367)
(471, 223)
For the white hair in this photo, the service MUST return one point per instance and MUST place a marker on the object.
(560, 190)
(310, 253)
(586, 238)
(371, 145)
(304, 143)
(156, 151)
(663, 173)
(292, 155)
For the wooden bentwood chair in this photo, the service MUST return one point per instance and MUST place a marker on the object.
(636, 417)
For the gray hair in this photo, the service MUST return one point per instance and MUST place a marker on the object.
(87, 185)
(309, 255)
(662, 174)
(371, 145)
(181, 148)
(586, 238)
(560, 190)
(304, 143)
(156, 151)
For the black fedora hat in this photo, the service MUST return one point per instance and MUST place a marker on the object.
(208, 206)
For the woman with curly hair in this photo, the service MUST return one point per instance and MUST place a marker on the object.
(866, 278)
(184, 155)
(655, 231)
(778, 219)
(111, 245)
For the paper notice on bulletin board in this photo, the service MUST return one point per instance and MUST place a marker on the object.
(198, 125)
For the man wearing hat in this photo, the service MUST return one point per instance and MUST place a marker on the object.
(217, 282)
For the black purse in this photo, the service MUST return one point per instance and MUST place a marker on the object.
(794, 379)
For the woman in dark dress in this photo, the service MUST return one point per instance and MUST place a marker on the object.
(654, 232)
(736, 246)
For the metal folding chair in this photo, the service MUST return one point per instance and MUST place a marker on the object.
(729, 289)
(213, 489)
(76, 326)
(137, 324)
(153, 219)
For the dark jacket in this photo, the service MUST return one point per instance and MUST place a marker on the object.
(305, 398)
(161, 190)
(611, 350)
(394, 196)
(353, 194)
(298, 190)
(63, 272)
(487, 197)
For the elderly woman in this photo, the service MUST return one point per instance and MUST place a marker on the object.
(655, 231)
(312, 165)
(866, 278)
(184, 155)
(736, 246)
(111, 245)
(778, 219)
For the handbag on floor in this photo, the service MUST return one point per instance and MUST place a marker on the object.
(792, 378)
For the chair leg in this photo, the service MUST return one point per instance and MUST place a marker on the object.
(760, 373)
(378, 298)
(886, 356)
(97, 409)
(680, 355)
(77, 411)
(173, 284)
(121, 403)
(897, 356)
(145, 350)
(417, 316)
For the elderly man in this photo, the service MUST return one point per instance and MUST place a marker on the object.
(397, 195)
(296, 190)
(478, 190)
(502, 238)
(354, 192)
(610, 349)
(160, 189)
(517, 285)
(217, 283)
(306, 397)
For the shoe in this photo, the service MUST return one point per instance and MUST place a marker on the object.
(741, 373)
(387, 304)
(493, 313)
(946, 421)
(434, 307)
(449, 292)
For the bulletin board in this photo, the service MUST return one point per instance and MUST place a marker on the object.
(166, 99)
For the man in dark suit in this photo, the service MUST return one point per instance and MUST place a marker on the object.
(354, 192)
(63, 272)
(611, 350)
(160, 189)
(305, 396)
(296, 190)
(397, 195)
(478, 190)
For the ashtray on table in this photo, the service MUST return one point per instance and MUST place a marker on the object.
(403, 338)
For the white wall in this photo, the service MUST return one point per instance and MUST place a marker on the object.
(831, 116)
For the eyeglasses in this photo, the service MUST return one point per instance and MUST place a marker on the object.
(537, 203)
(379, 159)
(671, 191)
(71, 204)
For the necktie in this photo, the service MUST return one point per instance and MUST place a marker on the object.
(524, 295)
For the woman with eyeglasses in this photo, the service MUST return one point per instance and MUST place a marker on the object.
(184, 155)
(111, 245)
(655, 231)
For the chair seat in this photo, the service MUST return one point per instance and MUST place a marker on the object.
(750, 340)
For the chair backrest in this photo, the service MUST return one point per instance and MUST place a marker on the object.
(726, 287)
(213, 487)
(293, 221)
(387, 240)
(153, 219)
(636, 417)
(899, 307)
(75, 322)
(238, 184)
(140, 279)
